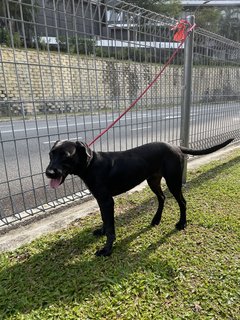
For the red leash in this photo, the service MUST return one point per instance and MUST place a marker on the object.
(180, 35)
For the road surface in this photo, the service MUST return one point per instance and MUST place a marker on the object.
(25, 144)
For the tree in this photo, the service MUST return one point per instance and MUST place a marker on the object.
(22, 11)
(167, 7)
(208, 18)
(229, 25)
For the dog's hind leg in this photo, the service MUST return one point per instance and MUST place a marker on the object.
(154, 184)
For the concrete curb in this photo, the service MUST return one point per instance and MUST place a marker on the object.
(55, 222)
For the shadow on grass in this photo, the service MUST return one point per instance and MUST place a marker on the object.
(212, 173)
(68, 271)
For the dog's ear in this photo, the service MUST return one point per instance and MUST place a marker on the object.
(55, 143)
(83, 146)
(86, 148)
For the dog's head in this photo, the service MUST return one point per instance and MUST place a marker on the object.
(67, 157)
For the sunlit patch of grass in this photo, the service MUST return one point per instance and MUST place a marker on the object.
(153, 273)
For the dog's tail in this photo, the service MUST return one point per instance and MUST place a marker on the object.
(205, 151)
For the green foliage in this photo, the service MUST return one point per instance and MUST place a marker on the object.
(3, 35)
(225, 22)
(171, 8)
(154, 273)
(229, 25)
(17, 10)
(5, 38)
(167, 7)
(17, 40)
(208, 18)
(81, 45)
(150, 55)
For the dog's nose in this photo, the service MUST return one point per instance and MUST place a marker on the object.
(52, 172)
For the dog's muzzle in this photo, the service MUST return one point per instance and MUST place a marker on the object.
(56, 177)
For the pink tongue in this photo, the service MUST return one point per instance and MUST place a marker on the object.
(55, 183)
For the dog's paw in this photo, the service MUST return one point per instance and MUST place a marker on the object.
(181, 225)
(99, 232)
(104, 252)
(155, 222)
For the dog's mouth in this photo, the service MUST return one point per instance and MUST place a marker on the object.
(55, 178)
(55, 183)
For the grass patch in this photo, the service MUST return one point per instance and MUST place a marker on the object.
(153, 273)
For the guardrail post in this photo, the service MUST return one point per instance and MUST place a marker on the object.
(187, 93)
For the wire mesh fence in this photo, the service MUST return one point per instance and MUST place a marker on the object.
(216, 81)
(68, 68)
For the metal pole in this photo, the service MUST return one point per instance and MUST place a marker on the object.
(187, 93)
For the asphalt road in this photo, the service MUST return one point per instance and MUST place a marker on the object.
(25, 144)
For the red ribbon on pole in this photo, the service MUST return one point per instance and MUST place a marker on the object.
(181, 30)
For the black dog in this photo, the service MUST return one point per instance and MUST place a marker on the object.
(107, 174)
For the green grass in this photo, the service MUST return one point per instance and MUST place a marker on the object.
(153, 273)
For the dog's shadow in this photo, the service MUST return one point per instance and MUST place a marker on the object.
(62, 271)
(40, 280)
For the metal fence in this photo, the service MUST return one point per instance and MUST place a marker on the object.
(69, 67)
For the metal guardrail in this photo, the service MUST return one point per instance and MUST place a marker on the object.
(68, 68)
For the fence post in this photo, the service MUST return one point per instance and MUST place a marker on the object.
(187, 93)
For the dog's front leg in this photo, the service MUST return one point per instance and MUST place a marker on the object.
(107, 212)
